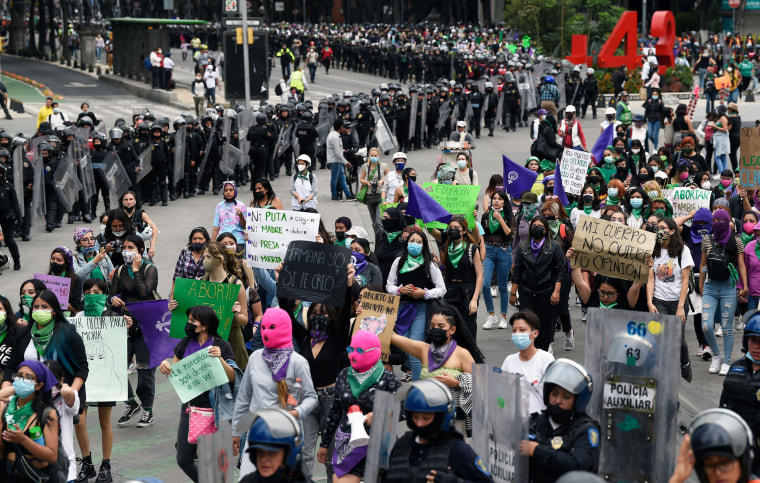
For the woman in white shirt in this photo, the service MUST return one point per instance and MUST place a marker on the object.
(588, 203)
(531, 362)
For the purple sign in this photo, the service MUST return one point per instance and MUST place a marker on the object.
(60, 286)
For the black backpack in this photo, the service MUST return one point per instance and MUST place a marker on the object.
(718, 260)
(278, 89)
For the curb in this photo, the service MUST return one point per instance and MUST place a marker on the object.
(45, 91)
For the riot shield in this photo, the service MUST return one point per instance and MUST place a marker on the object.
(283, 140)
(236, 157)
(413, 115)
(146, 165)
(226, 166)
(207, 149)
(386, 140)
(355, 109)
(18, 176)
(423, 118)
(382, 436)
(39, 207)
(443, 115)
(630, 356)
(86, 175)
(245, 119)
(323, 129)
(499, 422)
(67, 185)
(500, 109)
(115, 177)
(482, 84)
(468, 113)
(560, 80)
(180, 141)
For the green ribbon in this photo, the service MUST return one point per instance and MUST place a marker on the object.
(357, 387)
(570, 207)
(455, 252)
(41, 335)
(605, 306)
(412, 263)
(392, 235)
(636, 212)
(493, 223)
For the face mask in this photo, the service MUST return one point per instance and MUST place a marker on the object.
(209, 264)
(340, 235)
(26, 300)
(619, 149)
(654, 98)
(414, 249)
(537, 231)
(461, 164)
(635, 150)
(683, 176)
(609, 159)
(259, 195)
(400, 166)
(128, 256)
(2, 317)
(725, 183)
(413, 179)
(42, 317)
(390, 225)
(57, 267)
(301, 168)
(610, 118)
(706, 185)
(438, 337)
(23, 388)
(198, 77)
(94, 303)
(594, 179)
(588, 199)
(663, 236)
(371, 345)
(102, 229)
(521, 341)
(688, 150)
(636, 202)
(729, 69)
(231, 248)
(197, 247)
(374, 159)
(56, 110)
(612, 192)
(425, 432)
(749, 227)
(654, 168)
(455, 233)
(559, 415)
(622, 172)
(190, 330)
(319, 322)
(549, 190)
(119, 233)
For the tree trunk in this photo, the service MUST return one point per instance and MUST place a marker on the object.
(65, 37)
(32, 39)
(42, 29)
(53, 49)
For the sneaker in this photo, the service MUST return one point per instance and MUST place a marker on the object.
(550, 350)
(700, 351)
(724, 369)
(491, 322)
(686, 371)
(738, 323)
(130, 412)
(719, 332)
(577, 301)
(503, 324)
(706, 353)
(146, 419)
(87, 471)
(132, 368)
(407, 377)
(104, 475)
(714, 365)
(570, 341)
(494, 292)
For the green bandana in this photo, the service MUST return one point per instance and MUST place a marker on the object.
(96, 273)
(757, 250)
(610, 306)
(18, 416)
(734, 274)
(392, 235)
(456, 250)
(554, 227)
(746, 238)
(340, 243)
(3, 331)
(596, 187)
(41, 336)
(361, 381)
(529, 210)
(636, 212)
(569, 208)
(26, 306)
(493, 223)
(588, 209)
(613, 201)
(412, 263)
(94, 303)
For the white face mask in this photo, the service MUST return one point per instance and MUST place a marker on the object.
(635, 151)
(102, 228)
(301, 167)
(706, 185)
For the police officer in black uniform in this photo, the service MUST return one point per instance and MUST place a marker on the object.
(9, 213)
(476, 101)
(193, 159)
(259, 138)
(433, 450)
(52, 204)
(127, 153)
(512, 102)
(574, 444)
(491, 106)
(27, 175)
(211, 172)
(431, 117)
(307, 136)
(284, 124)
(403, 118)
(97, 156)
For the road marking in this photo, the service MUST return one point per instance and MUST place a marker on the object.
(79, 84)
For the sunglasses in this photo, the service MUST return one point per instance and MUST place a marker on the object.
(359, 350)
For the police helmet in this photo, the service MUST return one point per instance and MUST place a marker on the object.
(99, 136)
(219, 109)
(156, 127)
(179, 121)
(458, 86)
(206, 118)
(580, 477)
(384, 98)
(149, 116)
(54, 141)
(144, 126)
(300, 108)
(549, 79)
(489, 85)
(307, 116)
(4, 153)
(401, 97)
(119, 122)
(59, 130)
(721, 432)
(68, 131)
(375, 92)
(572, 377)
(18, 141)
(163, 121)
(261, 118)
(413, 88)
(275, 429)
(430, 396)
(239, 108)
(348, 94)
(344, 104)
(115, 133)
(45, 147)
(383, 87)
(85, 121)
(751, 327)
(230, 114)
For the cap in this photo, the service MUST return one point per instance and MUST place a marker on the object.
(542, 112)
(733, 107)
(610, 110)
(623, 93)
(461, 124)
(570, 108)
(529, 197)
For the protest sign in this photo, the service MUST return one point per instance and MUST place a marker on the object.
(105, 342)
(379, 312)
(270, 232)
(189, 293)
(196, 374)
(60, 286)
(684, 200)
(315, 272)
(749, 166)
(456, 199)
(574, 168)
(612, 249)
(155, 318)
(215, 459)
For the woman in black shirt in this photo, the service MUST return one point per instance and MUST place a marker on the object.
(388, 243)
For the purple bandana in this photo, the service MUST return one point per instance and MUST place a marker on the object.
(536, 247)
(345, 457)
(437, 356)
(318, 336)
(406, 314)
(193, 346)
(278, 361)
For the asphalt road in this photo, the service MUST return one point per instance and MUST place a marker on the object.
(150, 451)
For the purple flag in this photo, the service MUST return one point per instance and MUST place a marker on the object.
(155, 318)
(517, 179)
(604, 140)
(422, 206)
(559, 190)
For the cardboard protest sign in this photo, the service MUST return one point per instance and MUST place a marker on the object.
(315, 272)
(379, 312)
(456, 199)
(105, 342)
(270, 232)
(60, 286)
(612, 249)
(684, 200)
(749, 165)
(215, 459)
(573, 168)
(196, 374)
(189, 293)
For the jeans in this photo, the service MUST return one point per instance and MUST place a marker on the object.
(314, 424)
(563, 307)
(710, 98)
(376, 217)
(669, 307)
(146, 378)
(653, 133)
(702, 75)
(186, 451)
(721, 162)
(338, 175)
(312, 72)
(211, 95)
(285, 70)
(500, 259)
(417, 332)
(733, 96)
(719, 295)
(752, 302)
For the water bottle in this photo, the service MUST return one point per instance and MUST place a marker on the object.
(36, 434)
(295, 394)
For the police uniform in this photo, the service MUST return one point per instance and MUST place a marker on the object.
(9, 213)
(307, 136)
(476, 101)
(570, 447)
(741, 394)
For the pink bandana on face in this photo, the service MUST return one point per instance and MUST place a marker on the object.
(276, 329)
(370, 344)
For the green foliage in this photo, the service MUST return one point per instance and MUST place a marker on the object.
(677, 79)
(604, 79)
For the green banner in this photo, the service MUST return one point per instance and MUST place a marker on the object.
(196, 374)
(456, 199)
(189, 293)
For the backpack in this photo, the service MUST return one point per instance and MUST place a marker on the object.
(148, 65)
(625, 116)
(278, 89)
(718, 261)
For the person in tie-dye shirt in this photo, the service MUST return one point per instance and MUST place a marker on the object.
(227, 215)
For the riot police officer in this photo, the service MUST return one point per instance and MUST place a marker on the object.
(512, 102)
(53, 205)
(563, 428)
(403, 118)
(307, 136)
(433, 450)
(476, 102)
(284, 148)
(160, 162)
(97, 155)
(259, 138)
(491, 106)
(274, 447)
(211, 150)
(127, 153)
(9, 213)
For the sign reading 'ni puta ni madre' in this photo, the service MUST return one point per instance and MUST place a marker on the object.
(270, 231)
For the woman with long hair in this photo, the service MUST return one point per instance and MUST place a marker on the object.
(498, 227)
(635, 206)
(365, 263)
(374, 172)
(118, 227)
(495, 183)
(90, 260)
(140, 220)
(561, 231)
(28, 291)
(588, 203)
(409, 175)
(389, 243)
(62, 265)
(264, 196)
(190, 260)
(9, 328)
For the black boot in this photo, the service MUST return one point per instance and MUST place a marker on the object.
(87, 471)
(104, 475)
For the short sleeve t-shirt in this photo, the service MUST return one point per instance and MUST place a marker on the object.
(667, 273)
(226, 217)
(532, 371)
(203, 400)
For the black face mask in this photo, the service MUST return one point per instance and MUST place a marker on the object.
(57, 267)
(319, 322)
(622, 171)
(594, 179)
(619, 149)
(340, 235)
(390, 225)
(549, 190)
(537, 231)
(588, 199)
(259, 195)
(455, 234)
(644, 177)
(438, 337)
(426, 432)
(559, 415)
(413, 179)
(197, 247)
(190, 330)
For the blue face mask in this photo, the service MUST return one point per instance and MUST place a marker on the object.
(751, 359)
(613, 192)
(400, 166)
(374, 159)
(414, 249)
(23, 388)
(655, 168)
(522, 341)
(461, 164)
(636, 202)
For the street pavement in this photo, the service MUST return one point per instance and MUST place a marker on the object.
(150, 451)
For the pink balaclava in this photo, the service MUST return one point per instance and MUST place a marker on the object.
(276, 329)
(371, 344)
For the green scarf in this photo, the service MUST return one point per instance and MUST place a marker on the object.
(340, 243)
(94, 304)
(569, 208)
(746, 238)
(361, 381)
(734, 274)
(41, 336)
(3, 331)
(529, 210)
(596, 187)
(493, 223)
(412, 263)
(554, 227)
(610, 306)
(456, 250)
(96, 273)
(613, 201)
(636, 212)
(17, 417)
(588, 209)
(392, 235)
(26, 306)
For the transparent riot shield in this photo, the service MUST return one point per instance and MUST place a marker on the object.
(145, 163)
(226, 166)
(67, 185)
(413, 109)
(207, 149)
(115, 177)
(499, 422)
(386, 140)
(468, 114)
(283, 140)
(423, 118)
(633, 359)
(323, 129)
(382, 437)
(39, 207)
(355, 109)
(180, 142)
(18, 176)
(86, 175)
(245, 120)
(443, 115)
(482, 84)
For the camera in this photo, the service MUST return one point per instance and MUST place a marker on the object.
(116, 244)
(373, 184)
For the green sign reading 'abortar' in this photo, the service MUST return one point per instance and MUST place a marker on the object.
(189, 293)
(196, 374)
(456, 199)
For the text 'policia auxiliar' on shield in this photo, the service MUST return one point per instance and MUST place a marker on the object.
(612, 249)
